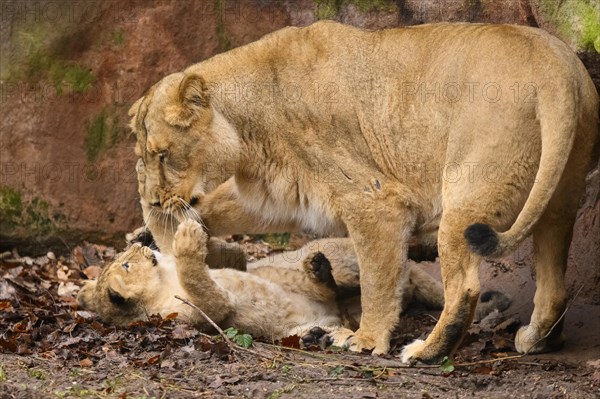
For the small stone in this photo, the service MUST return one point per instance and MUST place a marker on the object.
(51, 255)
(5, 255)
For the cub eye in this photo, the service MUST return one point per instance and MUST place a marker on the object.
(125, 266)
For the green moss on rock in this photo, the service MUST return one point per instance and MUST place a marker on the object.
(329, 9)
(576, 21)
(101, 132)
(79, 78)
(224, 41)
(11, 205)
(34, 58)
(25, 217)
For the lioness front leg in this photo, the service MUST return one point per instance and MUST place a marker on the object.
(223, 213)
(380, 229)
(189, 248)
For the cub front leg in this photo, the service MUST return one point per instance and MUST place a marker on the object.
(380, 228)
(189, 248)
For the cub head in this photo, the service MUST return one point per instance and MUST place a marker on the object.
(123, 289)
(185, 143)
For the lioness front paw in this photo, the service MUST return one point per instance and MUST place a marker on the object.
(529, 340)
(410, 353)
(359, 341)
(340, 336)
(190, 239)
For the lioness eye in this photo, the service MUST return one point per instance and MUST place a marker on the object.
(162, 155)
(126, 266)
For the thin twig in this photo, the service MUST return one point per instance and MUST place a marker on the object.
(233, 347)
(209, 320)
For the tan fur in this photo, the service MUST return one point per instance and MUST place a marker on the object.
(334, 129)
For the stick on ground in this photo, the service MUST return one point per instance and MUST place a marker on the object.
(209, 320)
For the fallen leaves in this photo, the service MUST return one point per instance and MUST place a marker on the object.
(40, 316)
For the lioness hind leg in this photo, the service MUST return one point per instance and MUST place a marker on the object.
(461, 291)
(551, 238)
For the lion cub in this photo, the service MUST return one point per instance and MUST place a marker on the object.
(142, 282)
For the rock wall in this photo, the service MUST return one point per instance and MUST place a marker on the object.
(70, 70)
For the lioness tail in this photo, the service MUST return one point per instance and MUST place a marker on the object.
(558, 123)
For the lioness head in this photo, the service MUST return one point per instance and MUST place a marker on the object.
(186, 145)
(119, 294)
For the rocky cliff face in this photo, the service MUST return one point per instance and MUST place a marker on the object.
(70, 70)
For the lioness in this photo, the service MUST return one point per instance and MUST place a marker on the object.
(474, 136)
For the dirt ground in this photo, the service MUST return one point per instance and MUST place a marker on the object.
(49, 348)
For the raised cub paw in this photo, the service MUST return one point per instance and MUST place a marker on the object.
(318, 268)
(190, 239)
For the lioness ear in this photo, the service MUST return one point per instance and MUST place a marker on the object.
(193, 97)
(135, 107)
(133, 112)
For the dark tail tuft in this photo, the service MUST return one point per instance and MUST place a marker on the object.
(482, 239)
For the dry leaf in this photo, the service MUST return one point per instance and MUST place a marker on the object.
(293, 341)
(92, 272)
(67, 289)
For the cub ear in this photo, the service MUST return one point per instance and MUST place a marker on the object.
(118, 293)
(85, 297)
(193, 97)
